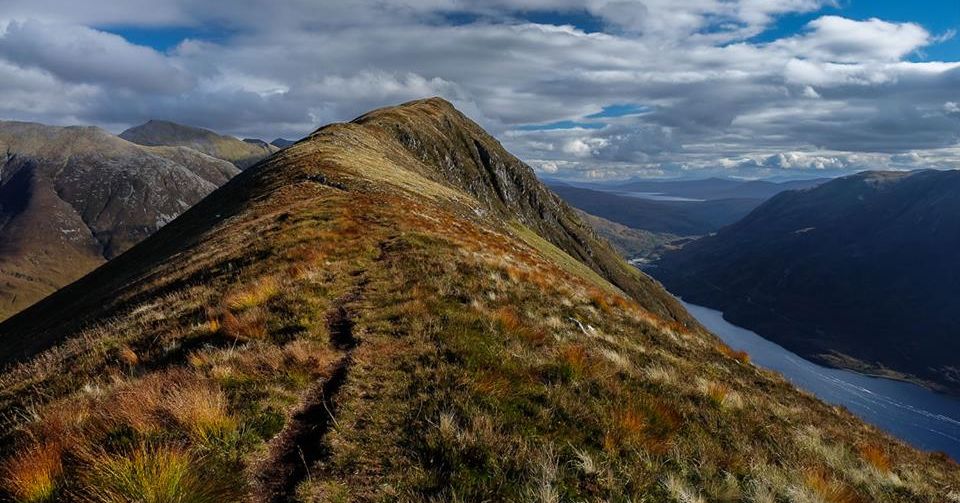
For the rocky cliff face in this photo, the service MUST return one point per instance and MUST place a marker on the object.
(71, 198)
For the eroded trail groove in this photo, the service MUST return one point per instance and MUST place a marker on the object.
(301, 443)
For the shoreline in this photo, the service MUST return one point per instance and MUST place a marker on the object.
(840, 361)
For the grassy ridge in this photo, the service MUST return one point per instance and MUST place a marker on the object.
(339, 336)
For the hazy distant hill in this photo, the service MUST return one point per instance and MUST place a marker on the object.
(860, 272)
(715, 188)
(396, 309)
(241, 153)
(72, 197)
(630, 242)
(681, 218)
(282, 143)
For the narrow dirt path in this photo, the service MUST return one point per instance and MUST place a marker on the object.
(300, 445)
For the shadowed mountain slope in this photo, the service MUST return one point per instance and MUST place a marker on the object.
(282, 142)
(70, 198)
(396, 309)
(629, 242)
(859, 272)
(242, 153)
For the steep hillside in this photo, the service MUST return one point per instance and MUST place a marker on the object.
(860, 272)
(631, 243)
(241, 153)
(681, 218)
(70, 198)
(395, 309)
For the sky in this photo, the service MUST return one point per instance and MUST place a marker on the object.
(579, 89)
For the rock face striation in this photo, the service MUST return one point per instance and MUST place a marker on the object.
(71, 198)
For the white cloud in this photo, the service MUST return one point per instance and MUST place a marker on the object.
(842, 40)
(77, 54)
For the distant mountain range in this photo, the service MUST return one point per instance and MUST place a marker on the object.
(73, 197)
(715, 188)
(678, 207)
(860, 272)
(242, 153)
(680, 218)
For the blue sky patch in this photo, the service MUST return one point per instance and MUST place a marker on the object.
(165, 38)
(937, 16)
(619, 110)
(582, 20)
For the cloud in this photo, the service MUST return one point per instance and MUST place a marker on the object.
(77, 54)
(842, 40)
(838, 95)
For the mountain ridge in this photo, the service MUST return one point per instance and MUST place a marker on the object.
(362, 317)
(241, 153)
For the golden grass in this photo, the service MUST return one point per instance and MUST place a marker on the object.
(128, 357)
(876, 457)
(575, 357)
(509, 318)
(151, 474)
(200, 409)
(254, 294)
(740, 356)
(830, 489)
(250, 324)
(600, 300)
(716, 392)
(33, 474)
(650, 425)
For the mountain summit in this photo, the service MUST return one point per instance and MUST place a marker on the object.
(164, 133)
(396, 309)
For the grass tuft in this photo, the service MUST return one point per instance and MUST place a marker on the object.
(254, 294)
(650, 425)
(876, 457)
(201, 410)
(32, 475)
(159, 474)
(740, 356)
(250, 324)
(829, 489)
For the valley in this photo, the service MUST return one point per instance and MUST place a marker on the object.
(857, 273)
